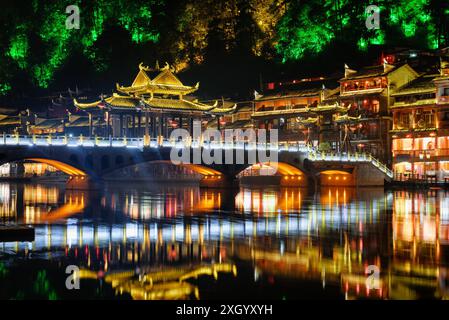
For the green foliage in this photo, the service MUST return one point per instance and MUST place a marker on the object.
(56, 43)
(3, 270)
(42, 287)
(305, 30)
(34, 40)
(324, 146)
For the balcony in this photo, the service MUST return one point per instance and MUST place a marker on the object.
(423, 126)
(422, 154)
(361, 136)
(414, 102)
(353, 89)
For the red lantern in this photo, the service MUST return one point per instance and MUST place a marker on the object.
(173, 123)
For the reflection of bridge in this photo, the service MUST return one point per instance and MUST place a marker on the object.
(98, 158)
(166, 283)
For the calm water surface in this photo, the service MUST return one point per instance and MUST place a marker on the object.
(182, 242)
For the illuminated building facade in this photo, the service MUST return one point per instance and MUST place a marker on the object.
(366, 94)
(287, 107)
(420, 130)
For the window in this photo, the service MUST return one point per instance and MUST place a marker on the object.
(403, 144)
(375, 106)
(404, 120)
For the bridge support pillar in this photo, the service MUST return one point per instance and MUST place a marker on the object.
(218, 181)
(81, 183)
(366, 175)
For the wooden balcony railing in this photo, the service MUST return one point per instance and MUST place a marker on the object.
(422, 154)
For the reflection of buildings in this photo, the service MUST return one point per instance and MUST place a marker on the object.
(420, 242)
(266, 202)
(38, 203)
(157, 201)
(329, 240)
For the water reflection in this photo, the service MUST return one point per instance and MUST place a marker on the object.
(168, 242)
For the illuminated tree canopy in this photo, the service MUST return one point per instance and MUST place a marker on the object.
(35, 43)
(36, 37)
(309, 26)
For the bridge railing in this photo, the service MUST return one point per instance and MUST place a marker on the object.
(350, 157)
(72, 141)
(155, 142)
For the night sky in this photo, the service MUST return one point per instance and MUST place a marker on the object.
(229, 46)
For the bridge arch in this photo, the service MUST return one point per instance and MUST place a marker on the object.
(336, 178)
(139, 171)
(278, 172)
(64, 167)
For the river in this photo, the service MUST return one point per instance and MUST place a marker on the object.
(141, 241)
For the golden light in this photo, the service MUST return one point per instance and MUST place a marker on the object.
(66, 168)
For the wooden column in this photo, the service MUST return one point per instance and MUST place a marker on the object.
(121, 125)
(147, 131)
(133, 133)
(139, 124)
(90, 124)
(159, 125)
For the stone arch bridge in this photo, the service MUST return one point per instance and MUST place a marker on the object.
(94, 159)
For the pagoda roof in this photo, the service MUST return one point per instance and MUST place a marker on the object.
(292, 111)
(326, 108)
(82, 121)
(368, 72)
(423, 84)
(177, 104)
(114, 101)
(224, 107)
(414, 104)
(165, 82)
(347, 118)
(300, 88)
(48, 123)
(307, 121)
(290, 94)
(9, 120)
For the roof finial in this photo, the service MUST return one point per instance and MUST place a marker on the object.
(142, 67)
(166, 67)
